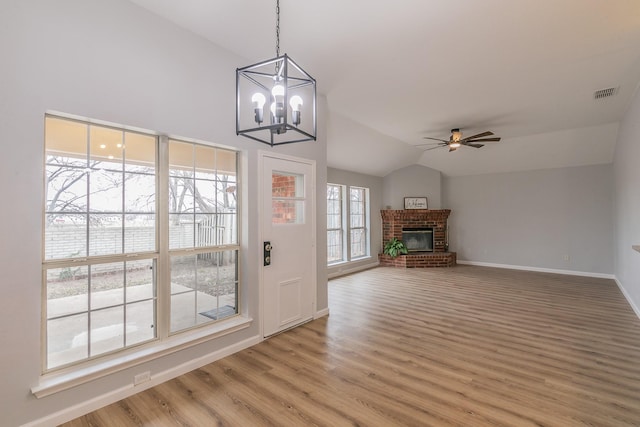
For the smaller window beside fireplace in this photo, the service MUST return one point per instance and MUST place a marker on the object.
(418, 239)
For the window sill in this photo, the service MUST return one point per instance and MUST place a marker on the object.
(352, 261)
(73, 376)
(362, 258)
(359, 264)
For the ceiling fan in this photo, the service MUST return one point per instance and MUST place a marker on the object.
(456, 140)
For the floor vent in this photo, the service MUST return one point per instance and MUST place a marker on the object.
(605, 93)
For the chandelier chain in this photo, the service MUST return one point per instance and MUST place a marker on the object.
(277, 28)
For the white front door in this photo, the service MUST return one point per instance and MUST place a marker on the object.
(288, 224)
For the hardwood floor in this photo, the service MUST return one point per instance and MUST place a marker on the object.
(467, 346)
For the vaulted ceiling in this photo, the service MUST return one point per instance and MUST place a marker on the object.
(394, 72)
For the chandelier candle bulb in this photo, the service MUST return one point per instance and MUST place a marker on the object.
(296, 103)
(258, 100)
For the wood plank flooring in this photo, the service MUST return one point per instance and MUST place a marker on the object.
(464, 346)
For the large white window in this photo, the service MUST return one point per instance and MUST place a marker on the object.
(347, 223)
(104, 247)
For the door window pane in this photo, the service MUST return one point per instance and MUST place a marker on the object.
(285, 185)
(287, 202)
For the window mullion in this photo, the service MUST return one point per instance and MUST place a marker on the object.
(346, 222)
(163, 283)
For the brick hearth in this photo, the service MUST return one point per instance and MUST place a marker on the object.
(393, 221)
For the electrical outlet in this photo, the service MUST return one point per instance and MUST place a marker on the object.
(566, 257)
(142, 378)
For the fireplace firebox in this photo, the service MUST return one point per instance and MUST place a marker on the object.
(418, 239)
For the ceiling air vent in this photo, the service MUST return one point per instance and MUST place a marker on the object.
(605, 93)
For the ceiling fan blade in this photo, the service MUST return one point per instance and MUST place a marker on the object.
(431, 143)
(435, 139)
(471, 144)
(496, 139)
(480, 135)
(433, 148)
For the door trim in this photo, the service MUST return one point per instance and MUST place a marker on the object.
(312, 217)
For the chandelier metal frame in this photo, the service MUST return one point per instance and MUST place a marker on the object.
(286, 123)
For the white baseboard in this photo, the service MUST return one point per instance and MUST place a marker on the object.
(321, 313)
(538, 269)
(634, 307)
(342, 271)
(98, 402)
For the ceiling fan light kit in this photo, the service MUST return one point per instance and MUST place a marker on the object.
(456, 140)
(291, 92)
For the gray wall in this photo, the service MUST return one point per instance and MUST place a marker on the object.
(535, 218)
(627, 203)
(412, 181)
(112, 61)
(374, 184)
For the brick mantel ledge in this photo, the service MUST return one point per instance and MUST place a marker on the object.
(404, 214)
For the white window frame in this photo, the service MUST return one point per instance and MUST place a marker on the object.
(195, 250)
(365, 223)
(341, 189)
(81, 371)
(346, 224)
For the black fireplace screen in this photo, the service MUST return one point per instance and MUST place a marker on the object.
(418, 239)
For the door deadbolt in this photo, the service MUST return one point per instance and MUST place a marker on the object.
(266, 253)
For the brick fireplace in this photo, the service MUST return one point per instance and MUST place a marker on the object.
(395, 221)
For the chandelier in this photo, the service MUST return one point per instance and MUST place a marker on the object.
(276, 99)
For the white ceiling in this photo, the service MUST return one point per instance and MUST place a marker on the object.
(394, 72)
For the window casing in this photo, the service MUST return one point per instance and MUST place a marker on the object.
(347, 223)
(104, 247)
